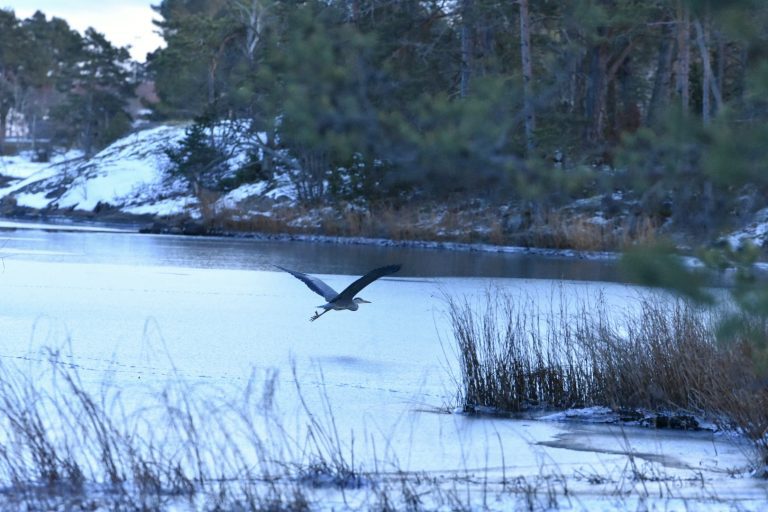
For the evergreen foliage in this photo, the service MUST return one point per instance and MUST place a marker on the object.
(71, 89)
(514, 101)
(204, 156)
(433, 97)
(197, 157)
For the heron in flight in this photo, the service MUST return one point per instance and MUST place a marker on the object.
(346, 299)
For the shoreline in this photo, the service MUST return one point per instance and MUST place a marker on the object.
(127, 223)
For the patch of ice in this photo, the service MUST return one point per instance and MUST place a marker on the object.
(596, 414)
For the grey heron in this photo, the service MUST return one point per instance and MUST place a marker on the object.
(346, 299)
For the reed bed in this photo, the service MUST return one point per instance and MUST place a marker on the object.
(69, 443)
(665, 358)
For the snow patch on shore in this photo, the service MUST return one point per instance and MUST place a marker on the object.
(131, 175)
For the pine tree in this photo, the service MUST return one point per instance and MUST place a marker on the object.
(204, 62)
(93, 113)
(52, 50)
(11, 67)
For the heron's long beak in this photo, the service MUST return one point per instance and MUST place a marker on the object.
(365, 301)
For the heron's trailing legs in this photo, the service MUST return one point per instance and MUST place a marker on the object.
(318, 315)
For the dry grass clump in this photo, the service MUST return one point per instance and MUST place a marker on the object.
(407, 222)
(468, 222)
(402, 222)
(664, 358)
(588, 232)
(511, 361)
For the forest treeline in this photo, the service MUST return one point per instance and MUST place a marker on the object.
(546, 101)
(63, 86)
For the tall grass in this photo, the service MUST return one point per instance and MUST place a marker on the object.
(67, 443)
(70, 444)
(511, 361)
(62, 444)
(663, 358)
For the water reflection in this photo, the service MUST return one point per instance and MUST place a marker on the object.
(321, 258)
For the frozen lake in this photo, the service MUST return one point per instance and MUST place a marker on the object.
(138, 310)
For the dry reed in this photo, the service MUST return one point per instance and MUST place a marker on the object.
(666, 358)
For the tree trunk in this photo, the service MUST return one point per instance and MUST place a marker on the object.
(574, 60)
(601, 74)
(708, 84)
(629, 115)
(310, 179)
(3, 129)
(212, 65)
(662, 79)
(252, 13)
(595, 101)
(525, 52)
(33, 133)
(355, 10)
(466, 48)
(721, 56)
(683, 55)
(88, 128)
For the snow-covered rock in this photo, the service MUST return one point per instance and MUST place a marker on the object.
(131, 175)
(235, 197)
(130, 171)
(756, 232)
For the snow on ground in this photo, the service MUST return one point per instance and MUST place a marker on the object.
(120, 174)
(755, 232)
(24, 172)
(37, 200)
(281, 189)
(164, 207)
(22, 166)
(131, 175)
(18, 166)
(130, 170)
(233, 198)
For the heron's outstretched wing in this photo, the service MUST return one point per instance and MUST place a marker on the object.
(350, 291)
(315, 284)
